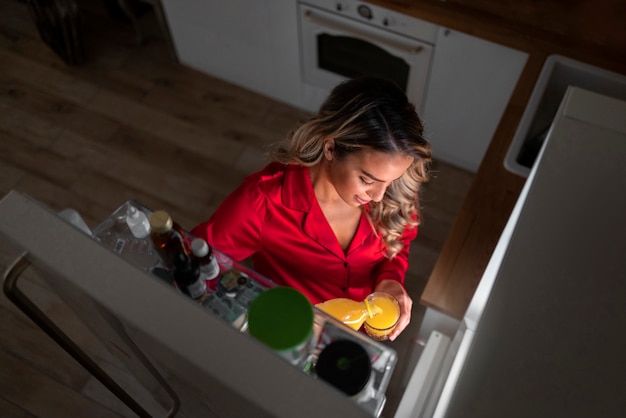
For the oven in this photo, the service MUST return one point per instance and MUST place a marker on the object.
(342, 39)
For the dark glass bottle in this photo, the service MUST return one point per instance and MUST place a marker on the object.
(204, 254)
(186, 274)
(168, 240)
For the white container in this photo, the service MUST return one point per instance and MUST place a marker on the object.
(137, 222)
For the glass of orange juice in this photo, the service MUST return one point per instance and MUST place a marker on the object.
(387, 315)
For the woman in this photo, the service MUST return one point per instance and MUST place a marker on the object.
(334, 214)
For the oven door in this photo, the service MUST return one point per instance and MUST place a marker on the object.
(336, 48)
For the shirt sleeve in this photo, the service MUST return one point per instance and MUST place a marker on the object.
(395, 269)
(235, 227)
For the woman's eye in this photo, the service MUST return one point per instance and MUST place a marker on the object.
(365, 181)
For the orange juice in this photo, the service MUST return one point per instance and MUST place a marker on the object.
(388, 313)
(350, 312)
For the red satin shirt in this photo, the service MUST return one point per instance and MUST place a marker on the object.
(274, 217)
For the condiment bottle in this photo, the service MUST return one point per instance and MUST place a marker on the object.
(186, 274)
(137, 222)
(168, 242)
(206, 259)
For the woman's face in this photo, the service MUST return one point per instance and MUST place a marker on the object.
(365, 175)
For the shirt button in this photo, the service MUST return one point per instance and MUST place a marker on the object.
(343, 288)
(345, 264)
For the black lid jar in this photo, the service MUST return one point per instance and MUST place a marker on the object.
(346, 365)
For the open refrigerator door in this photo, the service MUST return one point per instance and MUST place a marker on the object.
(185, 357)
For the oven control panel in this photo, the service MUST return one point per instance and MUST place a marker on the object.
(378, 17)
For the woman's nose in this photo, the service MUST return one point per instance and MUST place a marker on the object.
(377, 193)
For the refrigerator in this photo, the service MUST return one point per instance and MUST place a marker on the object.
(179, 357)
(542, 336)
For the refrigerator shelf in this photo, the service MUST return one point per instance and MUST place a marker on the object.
(231, 303)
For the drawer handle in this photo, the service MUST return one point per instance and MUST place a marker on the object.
(410, 49)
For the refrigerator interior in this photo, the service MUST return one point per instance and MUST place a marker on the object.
(183, 360)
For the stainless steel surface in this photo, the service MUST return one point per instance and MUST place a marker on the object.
(549, 337)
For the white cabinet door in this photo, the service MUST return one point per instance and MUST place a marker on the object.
(253, 44)
(470, 84)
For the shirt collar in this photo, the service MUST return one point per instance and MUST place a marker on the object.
(298, 191)
(298, 194)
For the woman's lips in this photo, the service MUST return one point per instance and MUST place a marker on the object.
(361, 201)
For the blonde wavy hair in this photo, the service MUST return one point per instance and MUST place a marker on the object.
(374, 114)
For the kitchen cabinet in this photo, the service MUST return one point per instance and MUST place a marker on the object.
(471, 81)
(250, 44)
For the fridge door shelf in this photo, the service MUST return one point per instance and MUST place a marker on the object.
(232, 306)
(114, 235)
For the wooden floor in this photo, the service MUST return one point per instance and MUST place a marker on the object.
(130, 123)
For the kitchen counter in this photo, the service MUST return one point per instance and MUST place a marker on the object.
(592, 34)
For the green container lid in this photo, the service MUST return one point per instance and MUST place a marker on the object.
(281, 318)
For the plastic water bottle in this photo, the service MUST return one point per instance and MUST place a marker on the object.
(138, 223)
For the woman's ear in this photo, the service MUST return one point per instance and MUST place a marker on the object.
(329, 146)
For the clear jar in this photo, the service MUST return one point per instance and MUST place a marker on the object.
(382, 324)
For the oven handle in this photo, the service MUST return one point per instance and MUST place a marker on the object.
(410, 49)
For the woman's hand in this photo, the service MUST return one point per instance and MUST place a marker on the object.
(406, 303)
